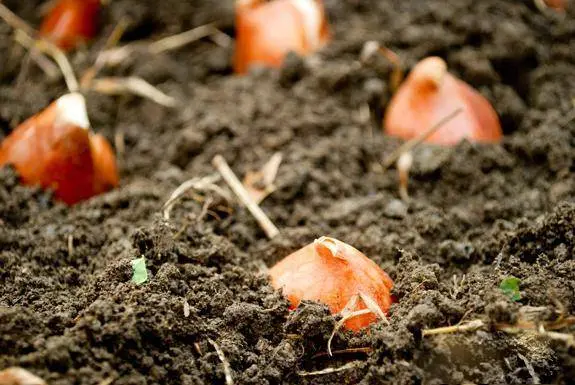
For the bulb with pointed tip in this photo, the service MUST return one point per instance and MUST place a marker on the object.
(71, 22)
(267, 31)
(56, 150)
(429, 94)
(332, 272)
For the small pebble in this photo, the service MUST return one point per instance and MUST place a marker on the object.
(395, 209)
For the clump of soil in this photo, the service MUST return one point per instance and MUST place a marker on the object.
(478, 213)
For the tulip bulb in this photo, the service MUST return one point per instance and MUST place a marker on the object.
(267, 31)
(332, 272)
(429, 94)
(56, 150)
(71, 22)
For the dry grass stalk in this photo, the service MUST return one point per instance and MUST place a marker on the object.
(238, 188)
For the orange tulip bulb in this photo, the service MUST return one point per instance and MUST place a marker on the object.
(332, 272)
(71, 22)
(56, 150)
(558, 5)
(267, 31)
(429, 94)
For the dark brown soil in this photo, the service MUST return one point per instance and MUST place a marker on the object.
(72, 316)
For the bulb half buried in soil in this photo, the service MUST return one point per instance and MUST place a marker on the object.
(429, 94)
(266, 32)
(56, 150)
(71, 22)
(19, 376)
(332, 272)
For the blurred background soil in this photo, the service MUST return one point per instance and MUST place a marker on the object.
(478, 213)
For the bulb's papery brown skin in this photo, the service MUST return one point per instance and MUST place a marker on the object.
(316, 273)
(266, 32)
(425, 98)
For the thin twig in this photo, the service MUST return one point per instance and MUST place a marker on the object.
(349, 365)
(396, 76)
(221, 39)
(194, 183)
(51, 70)
(56, 53)
(225, 363)
(412, 143)
(115, 56)
(205, 208)
(350, 305)
(70, 245)
(260, 183)
(530, 369)
(186, 308)
(270, 169)
(117, 33)
(46, 7)
(62, 60)
(561, 323)
(232, 180)
(100, 62)
(568, 339)
(15, 21)
(520, 327)
(176, 41)
(203, 213)
(134, 85)
(19, 24)
(539, 330)
(120, 143)
(348, 312)
(364, 114)
(465, 327)
(25, 66)
(364, 350)
(373, 306)
(403, 166)
(457, 285)
(541, 6)
(368, 50)
(340, 323)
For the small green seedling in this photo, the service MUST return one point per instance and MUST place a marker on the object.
(140, 273)
(510, 287)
